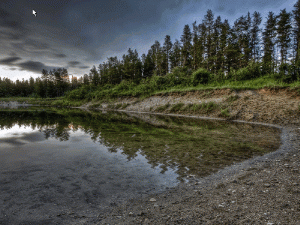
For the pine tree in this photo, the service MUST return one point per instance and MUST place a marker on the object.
(269, 35)
(175, 55)
(195, 46)
(201, 45)
(255, 32)
(296, 13)
(167, 49)
(148, 64)
(232, 51)
(216, 45)
(208, 23)
(186, 39)
(225, 28)
(284, 32)
(95, 77)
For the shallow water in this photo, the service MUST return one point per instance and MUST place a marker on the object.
(57, 163)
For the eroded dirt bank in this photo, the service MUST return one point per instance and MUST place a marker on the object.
(275, 106)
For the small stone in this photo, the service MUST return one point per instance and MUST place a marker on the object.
(155, 205)
(267, 185)
(130, 213)
(152, 200)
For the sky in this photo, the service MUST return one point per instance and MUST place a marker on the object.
(77, 34)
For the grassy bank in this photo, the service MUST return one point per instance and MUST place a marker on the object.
(156, 85)
(177, 82)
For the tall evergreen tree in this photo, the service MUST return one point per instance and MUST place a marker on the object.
(269, 35)
(186, 39)
(284, 32)
(255, 33)
(296, 13)
(208, 23)
(216, 55)
(148, 64)
(167, 49)
(225, 28)
(201, 57)
(176, 55)
(195, 46)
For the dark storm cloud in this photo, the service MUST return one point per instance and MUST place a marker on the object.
(73, 63)
(9, 60)
(34, 66)
(77, 64)
(83, 67)
(60, 55)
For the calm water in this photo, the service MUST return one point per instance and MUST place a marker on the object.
(60, 163)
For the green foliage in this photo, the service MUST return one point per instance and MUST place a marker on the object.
(288, 73)
(200, 76)
(225, 113)
(176, 107)
(163, 107)
(232, 98)
(125, 105)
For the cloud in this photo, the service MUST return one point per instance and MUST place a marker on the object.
(9, 60)
(83, 67)
(76, 64)
(60, 55)
(73, 63)
(34, 66)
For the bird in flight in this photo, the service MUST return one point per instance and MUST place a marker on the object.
(34, 13)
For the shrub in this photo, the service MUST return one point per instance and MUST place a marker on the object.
(242, 74)
(288, 73)
(200, 76)
(254, 69)
(158, 82)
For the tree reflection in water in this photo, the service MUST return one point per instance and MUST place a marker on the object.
(189, 145)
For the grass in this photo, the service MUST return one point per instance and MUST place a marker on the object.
(232, 98)
(176, 107)
(163, 107)
(225, 112)
(188, 107)
(125, 105)
(143, 90)
(118, 106)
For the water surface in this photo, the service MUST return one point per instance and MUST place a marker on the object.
(60, 163)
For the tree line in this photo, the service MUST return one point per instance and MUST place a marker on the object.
(213, 45)
(53, 83)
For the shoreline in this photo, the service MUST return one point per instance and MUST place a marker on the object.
(261, 190)
(184, 204)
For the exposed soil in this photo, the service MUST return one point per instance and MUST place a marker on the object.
(262, 190)
(276, 106)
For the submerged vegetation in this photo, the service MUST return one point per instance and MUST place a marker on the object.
(212, 55)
